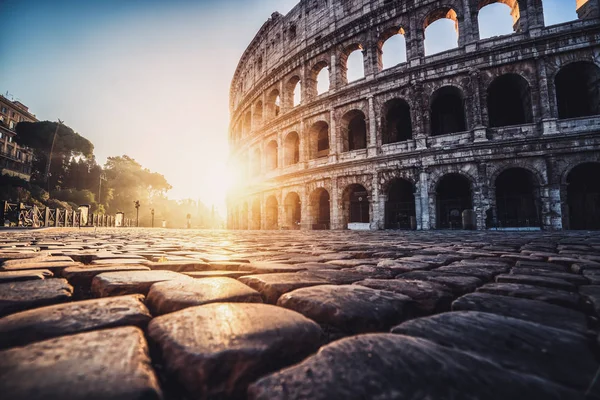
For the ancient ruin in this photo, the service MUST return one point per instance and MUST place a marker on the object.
(501, 132)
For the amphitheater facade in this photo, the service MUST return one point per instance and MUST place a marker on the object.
(497, 133)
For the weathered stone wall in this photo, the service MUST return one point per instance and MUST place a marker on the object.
(317, 34)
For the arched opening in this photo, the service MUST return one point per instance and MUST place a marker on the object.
(354, 131)
(273, 104)
(583, 196)
(247, 122)
(294, 94)
(509, 101)
(272, 213)
(397, 125)
(244, 216)
(319, 140)
(392, 46)
(255, 168)
(517, 199)
(352, 66)
(293, 211)
(320, 74)
(291, 151)
(400, 212)
(447, 111)
(441, 31)
(356, 206)
(258, 113)
(453, 197)
(497, 17)
(271, 155)
(578, 90)
(256, 217)
(559, 11)
(320, 209)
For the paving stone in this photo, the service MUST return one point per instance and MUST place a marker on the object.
(593, 276)
(387, 366)
(120, 261)
(373, 272)
(81, 277)
(174, 295)
(458, 284)
(41, 259)
(272, 286)
(569, 277)
(4, 256)
(56, 266)
(484, 272)
(528, 310)
(429, 297)
(348, 309)
(65, 319)
(25, 275)
(20, 296)
(179, 266)
(526, 347)
(130, 282)
(349, 263)
(107, 364)
(404, 266)
(216, 350)
(217, 274)
(336, 277)
(541, 265)
(554, 296)
(553, 283)
(592, 295)
(268, 268)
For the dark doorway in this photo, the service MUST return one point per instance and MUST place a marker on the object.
(293, 211)
(357, 203)
(272, 213)
(509, 101)
(256, 215)
(578, 90)
(583, 196)
(321, 209)
(447, 111)
(356, 135)
(400, 206)
(453, 196)
(397, 123)
(517, 199)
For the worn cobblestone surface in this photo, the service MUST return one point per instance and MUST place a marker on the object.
(299, 314)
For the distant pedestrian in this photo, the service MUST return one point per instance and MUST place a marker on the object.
(189, 220)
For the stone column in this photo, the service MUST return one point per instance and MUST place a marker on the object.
(479, 130)
(333, 75)
(280, 150)
(470, 28)
(535, 17)
(423, 219)
(554, 207)
(304, 214)
(420, 117)
(546, 109)
(336, 203)
(415, 42)
(334, 146)
(304, 144)
(377, 216)
(372, 140)
(370, 60)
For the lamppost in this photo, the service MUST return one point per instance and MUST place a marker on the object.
(136, 203)
(152, 212)
(102, 178)
(50, 155)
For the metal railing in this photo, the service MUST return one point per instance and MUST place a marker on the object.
(32, 216)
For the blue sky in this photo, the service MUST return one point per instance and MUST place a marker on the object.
(150, 78)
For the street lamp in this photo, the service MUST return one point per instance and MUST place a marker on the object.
(102, 178)
(136, 203)
(152, 212)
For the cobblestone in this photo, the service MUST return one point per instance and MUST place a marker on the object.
(491, 314)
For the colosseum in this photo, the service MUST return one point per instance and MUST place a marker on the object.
(496, 133)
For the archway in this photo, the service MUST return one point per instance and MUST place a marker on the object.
(293, 211)
(356, 205)
(392, 46)
(578, 90)
(453, 196)
(352, 64)
(272, 213)
(509, 101)
(583, 196)
(273, 104)
(320, 209)
(319, 140)
(497, 17)
(319, 79)
(397, 125)
(400, 212)
(517, 199)
(256, 215)
(291, 151)
(258, 113)
(441, 31)
(271, 155)
(293, 95)
(447, 111)
(354, 128)
(244, 217)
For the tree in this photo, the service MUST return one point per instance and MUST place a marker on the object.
(39, 136)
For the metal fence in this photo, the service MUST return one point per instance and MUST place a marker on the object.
(32, 216)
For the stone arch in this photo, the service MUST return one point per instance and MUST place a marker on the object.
(354, 130)
(258, 113)
(447, 111)
(356, 206)
(256, 214)
(497, 170)
(247, 123)
(271, 151)
(292, 211)
(509, 101)
(345, 59)
(577, 89)
(391, 37)
(319, 140)
(273, 104)
(400, 206)
(271, 213)
(319, 81)
(396, 121)
(440, 13)
(291, 149)
(453, 195)
(320, 209)
(293, 92)
(583, 196)
(514, 9)
(517, 198)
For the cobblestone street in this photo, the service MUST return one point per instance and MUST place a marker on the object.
(173, 314)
